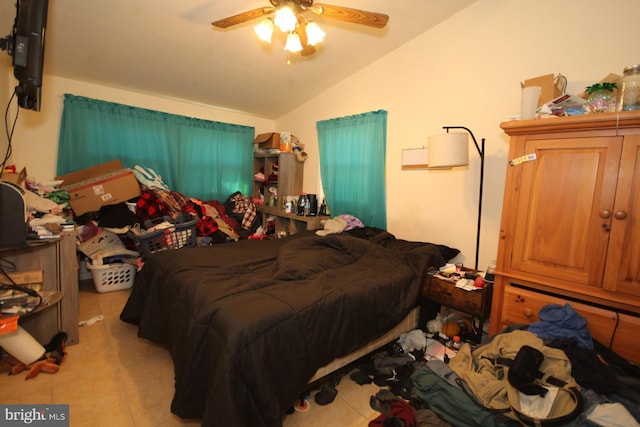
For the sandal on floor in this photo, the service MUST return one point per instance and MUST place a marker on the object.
(326, 394)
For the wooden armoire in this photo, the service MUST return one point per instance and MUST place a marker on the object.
(570, 230)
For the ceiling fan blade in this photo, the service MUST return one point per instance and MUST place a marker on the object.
(243, 17)
(371, 19)
(307, 49)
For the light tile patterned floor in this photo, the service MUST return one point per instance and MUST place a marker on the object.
(113, 378)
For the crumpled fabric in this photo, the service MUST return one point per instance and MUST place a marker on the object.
(403, 413)
(40, 204)
(243, 204)
(612, 415)
(560, 322)
(332, 226)
(149, 178)
(412, 340)
(388, 365)
(351, 221)
(446, 401)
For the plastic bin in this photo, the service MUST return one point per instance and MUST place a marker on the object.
(112, 277)
(182, 235)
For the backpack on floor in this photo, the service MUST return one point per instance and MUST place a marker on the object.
(517, 375)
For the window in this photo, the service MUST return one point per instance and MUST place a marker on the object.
(352, 165)
(199, 158)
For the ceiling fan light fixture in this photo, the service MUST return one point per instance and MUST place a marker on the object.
(285, 19)
(302, 33)
(293, 43)
(264, 30)
(314, 34)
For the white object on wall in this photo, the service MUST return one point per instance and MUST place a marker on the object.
(414, 158)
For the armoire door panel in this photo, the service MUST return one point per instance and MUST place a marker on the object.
(565, 193)
(622, 272)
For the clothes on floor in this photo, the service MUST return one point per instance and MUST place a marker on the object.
(562, 321)
(395, 412)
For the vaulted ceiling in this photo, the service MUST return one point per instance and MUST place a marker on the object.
(169, 48)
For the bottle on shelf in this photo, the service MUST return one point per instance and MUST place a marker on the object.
(302, 201)
(307, 206)
(323, 209)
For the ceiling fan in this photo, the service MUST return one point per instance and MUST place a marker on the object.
(290, 18)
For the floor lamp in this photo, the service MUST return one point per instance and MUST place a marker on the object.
(450, 150)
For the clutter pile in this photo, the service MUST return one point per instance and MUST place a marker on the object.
(279, 142)
(49, 360)
(550, 373)
(46, 205)
(120, 216)
(610, 94)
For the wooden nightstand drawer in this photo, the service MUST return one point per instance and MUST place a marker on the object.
(477, 303)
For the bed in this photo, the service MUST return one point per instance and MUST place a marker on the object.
(248, 324)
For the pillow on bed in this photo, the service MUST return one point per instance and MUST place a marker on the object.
(447, 252)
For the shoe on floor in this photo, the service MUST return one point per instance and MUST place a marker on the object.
(326, 395)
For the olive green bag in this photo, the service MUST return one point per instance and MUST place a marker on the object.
(517, 375)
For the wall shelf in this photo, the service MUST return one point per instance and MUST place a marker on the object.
(290, 223)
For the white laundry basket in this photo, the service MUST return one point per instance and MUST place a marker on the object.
(112, 277)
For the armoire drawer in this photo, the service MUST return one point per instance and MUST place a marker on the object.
(521, 306)
(624, 341)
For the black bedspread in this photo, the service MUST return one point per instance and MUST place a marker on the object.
(248, 323)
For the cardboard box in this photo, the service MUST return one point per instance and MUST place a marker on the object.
(552, 87)
(24, 277)
(15, 178)
(268, 140)
(104, 184)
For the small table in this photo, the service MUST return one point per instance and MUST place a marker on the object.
(444, 291)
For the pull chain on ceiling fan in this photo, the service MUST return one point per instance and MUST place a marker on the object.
(302, 33)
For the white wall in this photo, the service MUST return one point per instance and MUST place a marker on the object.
(466, 72)
(5, 69)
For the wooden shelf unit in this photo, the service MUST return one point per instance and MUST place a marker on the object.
(58, 260)
(290, 176)
(289, 183)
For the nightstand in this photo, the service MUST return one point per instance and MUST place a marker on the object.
(444, 292)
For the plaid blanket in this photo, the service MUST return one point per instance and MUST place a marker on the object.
(244, 204)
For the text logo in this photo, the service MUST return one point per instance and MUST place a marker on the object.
(34, 415)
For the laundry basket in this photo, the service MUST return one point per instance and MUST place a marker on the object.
(112, 277)
(182, 234)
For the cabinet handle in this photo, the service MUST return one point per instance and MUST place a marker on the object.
(620, 215)
(605, 214)
(527, 312)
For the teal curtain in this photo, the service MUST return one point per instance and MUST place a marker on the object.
(199, 158)
(352, 165)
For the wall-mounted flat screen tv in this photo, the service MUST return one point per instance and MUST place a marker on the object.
(26, 45)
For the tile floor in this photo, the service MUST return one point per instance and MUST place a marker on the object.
(113, 378)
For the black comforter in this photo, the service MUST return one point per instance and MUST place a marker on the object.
(248, 323)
